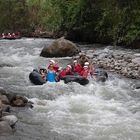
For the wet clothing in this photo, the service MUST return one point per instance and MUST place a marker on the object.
(65, 72)
(51, 76)
(84, 73)
(77, 68)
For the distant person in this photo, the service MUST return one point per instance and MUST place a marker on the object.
(9, 35)
(3, 35)
(13, 35)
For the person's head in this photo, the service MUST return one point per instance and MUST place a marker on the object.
(85, 67)
(52, 61)
(42, 68)
(75, 62)
(69, 67)
(86, 63)
(51, 67)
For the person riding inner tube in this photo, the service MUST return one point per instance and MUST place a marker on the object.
(77, 67)
(55, 66)
(51, 74)
(67, 71)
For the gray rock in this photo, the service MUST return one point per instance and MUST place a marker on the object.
(4, 99)
(11, 119)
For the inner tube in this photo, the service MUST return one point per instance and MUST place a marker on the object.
(78, 79)
(36, 78)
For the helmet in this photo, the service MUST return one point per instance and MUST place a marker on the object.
(85, 67)
(69, 66)
(52, 61)
(75, 61)
(86, 63)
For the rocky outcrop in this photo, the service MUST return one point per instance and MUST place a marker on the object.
(127, 65)
(7, 119)
(60, 48)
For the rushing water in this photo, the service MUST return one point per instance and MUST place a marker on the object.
(97, 111)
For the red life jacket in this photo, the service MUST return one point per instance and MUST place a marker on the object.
(77, 68)
(65, 72)
(84, 73)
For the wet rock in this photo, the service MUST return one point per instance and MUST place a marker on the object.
(60, 48)
(19, 101)
(4, 99)
(11, 119)
(5, 108)
(5, 128)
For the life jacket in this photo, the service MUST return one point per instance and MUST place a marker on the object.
(84, 73)
(51, 76)
(77, 68)
(65, 72)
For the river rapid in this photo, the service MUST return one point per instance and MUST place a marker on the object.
(97, 111)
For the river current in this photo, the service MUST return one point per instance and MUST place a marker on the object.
(97, 111)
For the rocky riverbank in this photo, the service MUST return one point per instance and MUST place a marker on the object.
(8, 119)
(124, 63)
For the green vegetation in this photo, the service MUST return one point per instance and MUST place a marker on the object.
(104, 21)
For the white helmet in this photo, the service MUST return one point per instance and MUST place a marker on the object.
(69, 66)
(75, 61)
(85, 67)
(86, 63)
(52, 61)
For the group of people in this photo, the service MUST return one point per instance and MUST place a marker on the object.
(9, 35)
(53, 72)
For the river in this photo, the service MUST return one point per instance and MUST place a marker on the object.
(97, 111)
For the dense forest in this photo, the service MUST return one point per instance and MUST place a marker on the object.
(104, 21)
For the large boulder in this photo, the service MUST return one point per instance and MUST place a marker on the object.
(60, 48)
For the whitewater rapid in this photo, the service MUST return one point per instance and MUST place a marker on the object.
(97, 111)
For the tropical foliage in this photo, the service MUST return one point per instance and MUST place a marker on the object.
(117, 21)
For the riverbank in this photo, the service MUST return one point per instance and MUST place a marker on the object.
(121, 61)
